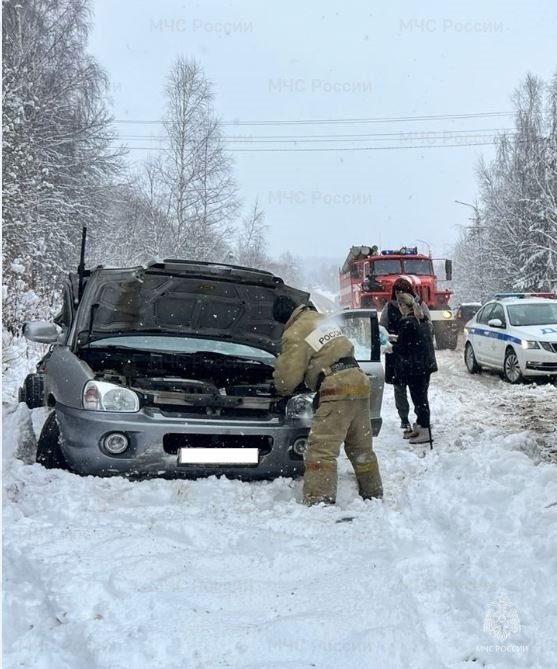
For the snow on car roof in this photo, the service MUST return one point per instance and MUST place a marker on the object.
(524, 300)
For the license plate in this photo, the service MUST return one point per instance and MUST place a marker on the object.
(218, 456)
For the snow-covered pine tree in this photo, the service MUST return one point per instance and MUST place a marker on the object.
(512, 242)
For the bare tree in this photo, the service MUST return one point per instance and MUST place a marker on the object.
(197, 173)
(288, 267)
(250, 245)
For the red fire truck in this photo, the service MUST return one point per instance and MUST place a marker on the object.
(368, 274)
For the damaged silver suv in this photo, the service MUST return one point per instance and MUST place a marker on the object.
(166, 371)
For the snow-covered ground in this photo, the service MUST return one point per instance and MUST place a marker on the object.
(457, 567)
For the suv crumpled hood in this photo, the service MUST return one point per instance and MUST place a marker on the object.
(178, 297)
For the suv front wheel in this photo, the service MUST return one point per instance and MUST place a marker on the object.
(49, 453)
(511, 368)
(32, 391)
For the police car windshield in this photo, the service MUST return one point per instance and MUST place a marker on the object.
(533, 314)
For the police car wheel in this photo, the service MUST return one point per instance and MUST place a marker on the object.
(470, 359)
(511, 368)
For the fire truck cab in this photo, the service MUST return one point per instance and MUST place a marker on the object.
(367, 276)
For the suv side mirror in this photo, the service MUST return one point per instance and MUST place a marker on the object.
(449, 270)
(495, 323)
(40, 332)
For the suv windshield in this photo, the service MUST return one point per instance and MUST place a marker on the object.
(184, 345)
(533, 314)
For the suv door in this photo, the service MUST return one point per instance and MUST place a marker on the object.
(361, 326)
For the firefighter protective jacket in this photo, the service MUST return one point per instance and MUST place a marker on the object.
(310, 344)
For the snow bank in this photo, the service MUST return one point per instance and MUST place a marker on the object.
(19, 357)
(104, 573)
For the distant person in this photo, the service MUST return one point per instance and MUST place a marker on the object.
(390, 320)
(414, 362)
(370, 283)
(316, 353)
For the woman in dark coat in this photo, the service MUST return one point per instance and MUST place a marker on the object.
(413, 363)
(391, 319)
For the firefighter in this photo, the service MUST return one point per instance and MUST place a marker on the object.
(315, 352)
(390, 319)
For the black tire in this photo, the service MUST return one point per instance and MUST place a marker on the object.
(511, 368)
(446, 336)
(366, 302)
(32, 391)
(49, 453)
(470, 359)
(452, 339)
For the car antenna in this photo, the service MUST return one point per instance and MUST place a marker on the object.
(81, 266)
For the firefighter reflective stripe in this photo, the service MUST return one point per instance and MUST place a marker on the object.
(354, 391)
(494, 335)
(323, 335)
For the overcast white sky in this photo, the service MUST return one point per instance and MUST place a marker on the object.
(316, 60)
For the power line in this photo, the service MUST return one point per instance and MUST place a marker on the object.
(385, 119)
(356, 141)
(341, 148)
(334, 121)
(387, 136)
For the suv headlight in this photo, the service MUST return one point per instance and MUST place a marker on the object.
(103, 396)
(300, 406)
(529, 344)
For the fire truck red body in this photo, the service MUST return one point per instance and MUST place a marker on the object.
(367, 277)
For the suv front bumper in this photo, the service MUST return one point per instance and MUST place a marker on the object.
(153, 453)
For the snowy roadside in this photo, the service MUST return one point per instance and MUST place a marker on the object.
(19, 357)
(216, 573)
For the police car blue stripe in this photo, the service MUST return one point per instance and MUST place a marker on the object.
(494, 335)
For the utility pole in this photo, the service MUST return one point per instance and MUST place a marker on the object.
(422, 241)
(477, 228)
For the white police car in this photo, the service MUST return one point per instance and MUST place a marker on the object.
(517, 334)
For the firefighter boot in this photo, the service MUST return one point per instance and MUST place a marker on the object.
(370, 485)
(320, 482)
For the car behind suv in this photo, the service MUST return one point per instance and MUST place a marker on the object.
(166, 370)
